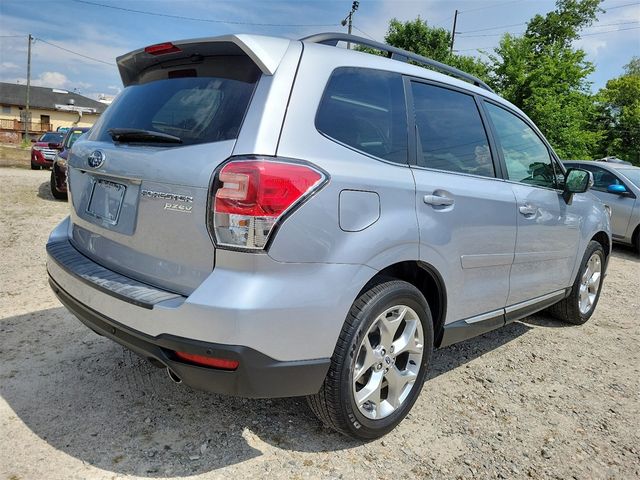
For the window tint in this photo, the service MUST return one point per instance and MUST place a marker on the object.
(601, 177)
(526, 156)
(451, 132)
(199, 106)
(365, 109)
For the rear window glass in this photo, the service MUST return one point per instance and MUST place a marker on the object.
(197, 109)
(365, 109)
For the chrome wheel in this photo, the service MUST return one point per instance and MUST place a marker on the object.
(388, 361)
(589, 284)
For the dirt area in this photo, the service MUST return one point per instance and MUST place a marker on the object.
(15, 156)
(536, 399)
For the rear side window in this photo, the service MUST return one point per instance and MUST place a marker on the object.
(450, 131)
(601, 177)
(365, 109)
(198, 106)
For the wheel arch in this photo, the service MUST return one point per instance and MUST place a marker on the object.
(425, 278)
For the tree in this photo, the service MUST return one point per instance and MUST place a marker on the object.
(433, 42)
(546, 77)
(620, 114)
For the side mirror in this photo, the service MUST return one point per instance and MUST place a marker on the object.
(577, 181)
(617, 189)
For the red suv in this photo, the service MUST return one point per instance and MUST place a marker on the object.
(59, 169)
(45, 149)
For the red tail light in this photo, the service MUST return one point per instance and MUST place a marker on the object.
(253, 194)
(204, 361)
(162, 48)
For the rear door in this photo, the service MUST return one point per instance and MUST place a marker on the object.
(465, 213)
(548, 228)
(140, 199)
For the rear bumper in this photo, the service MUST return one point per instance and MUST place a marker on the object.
(257, 376)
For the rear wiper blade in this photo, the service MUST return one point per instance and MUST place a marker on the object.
(127, 135)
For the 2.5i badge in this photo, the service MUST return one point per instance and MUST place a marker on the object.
(178, 207)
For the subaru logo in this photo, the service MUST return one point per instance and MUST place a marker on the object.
(96, 159)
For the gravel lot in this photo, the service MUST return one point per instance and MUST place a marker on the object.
(535, 399)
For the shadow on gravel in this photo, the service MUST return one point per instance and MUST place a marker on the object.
(44, 191)
(103, 405)
(625, 252)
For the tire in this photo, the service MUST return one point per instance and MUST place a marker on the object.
(568, 310)
(54, 191)
(380, 306)
(35, 167)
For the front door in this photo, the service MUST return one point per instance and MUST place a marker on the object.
(548, 228)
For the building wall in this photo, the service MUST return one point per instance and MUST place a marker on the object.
(57, 118)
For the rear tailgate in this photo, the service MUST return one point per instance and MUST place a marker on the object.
(139, 207)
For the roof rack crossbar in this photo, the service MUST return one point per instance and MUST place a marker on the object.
(395, 54)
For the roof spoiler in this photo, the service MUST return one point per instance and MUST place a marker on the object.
(265, 52)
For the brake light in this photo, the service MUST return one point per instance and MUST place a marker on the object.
(253, 194)
(162, 48)
(204, 361)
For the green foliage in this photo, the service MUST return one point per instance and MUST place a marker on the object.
(433, 42)
(542, 74)
(619, 119)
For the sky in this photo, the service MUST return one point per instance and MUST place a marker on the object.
(69, 31)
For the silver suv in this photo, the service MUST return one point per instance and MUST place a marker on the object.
(268, 217)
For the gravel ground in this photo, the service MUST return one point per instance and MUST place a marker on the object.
(535, 399)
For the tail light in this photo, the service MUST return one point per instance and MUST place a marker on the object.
(251, 195)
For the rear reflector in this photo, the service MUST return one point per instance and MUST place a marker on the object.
(162, 48)
(204, 361)
(253, 194)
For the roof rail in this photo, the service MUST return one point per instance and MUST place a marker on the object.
(394, 53)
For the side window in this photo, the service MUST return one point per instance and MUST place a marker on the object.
(450, 131)
(601, 178)
(526, 156)
(365, 110)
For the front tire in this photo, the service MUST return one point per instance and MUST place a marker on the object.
(379, 363)
(54, 190)
(35, 166)
(578, 307)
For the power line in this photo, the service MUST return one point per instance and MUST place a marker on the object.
(207, 20)
(524, 23)
(493, 28)
(11, 36)
(621, 6)
(363, 32)
(610, 31)
(75, 53)
(490, 6)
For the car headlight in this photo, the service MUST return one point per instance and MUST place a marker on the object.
(60, 161)
(35, 147)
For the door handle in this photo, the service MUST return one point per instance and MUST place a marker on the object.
(528, 210)
(438, 200)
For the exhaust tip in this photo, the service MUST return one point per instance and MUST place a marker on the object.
(173, 376)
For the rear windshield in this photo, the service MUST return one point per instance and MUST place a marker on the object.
(197, 105)
(72, 136)
(51, 137)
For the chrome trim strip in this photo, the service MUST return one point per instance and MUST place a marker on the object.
(485, 316)
(528, 303)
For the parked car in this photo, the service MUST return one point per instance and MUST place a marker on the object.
(615, 160)
(44, 150)
(618, 186)
(58, 181)
(267, 220)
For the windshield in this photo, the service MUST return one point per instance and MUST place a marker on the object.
(51, 137)
(633, 174)
(195, 109)
(72, 137)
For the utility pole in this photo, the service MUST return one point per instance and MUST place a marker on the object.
(27, 115)
(453, 32)
(348, 19)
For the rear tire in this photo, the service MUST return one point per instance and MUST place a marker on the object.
(54, 191)
(379, 363)
(578, 307)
